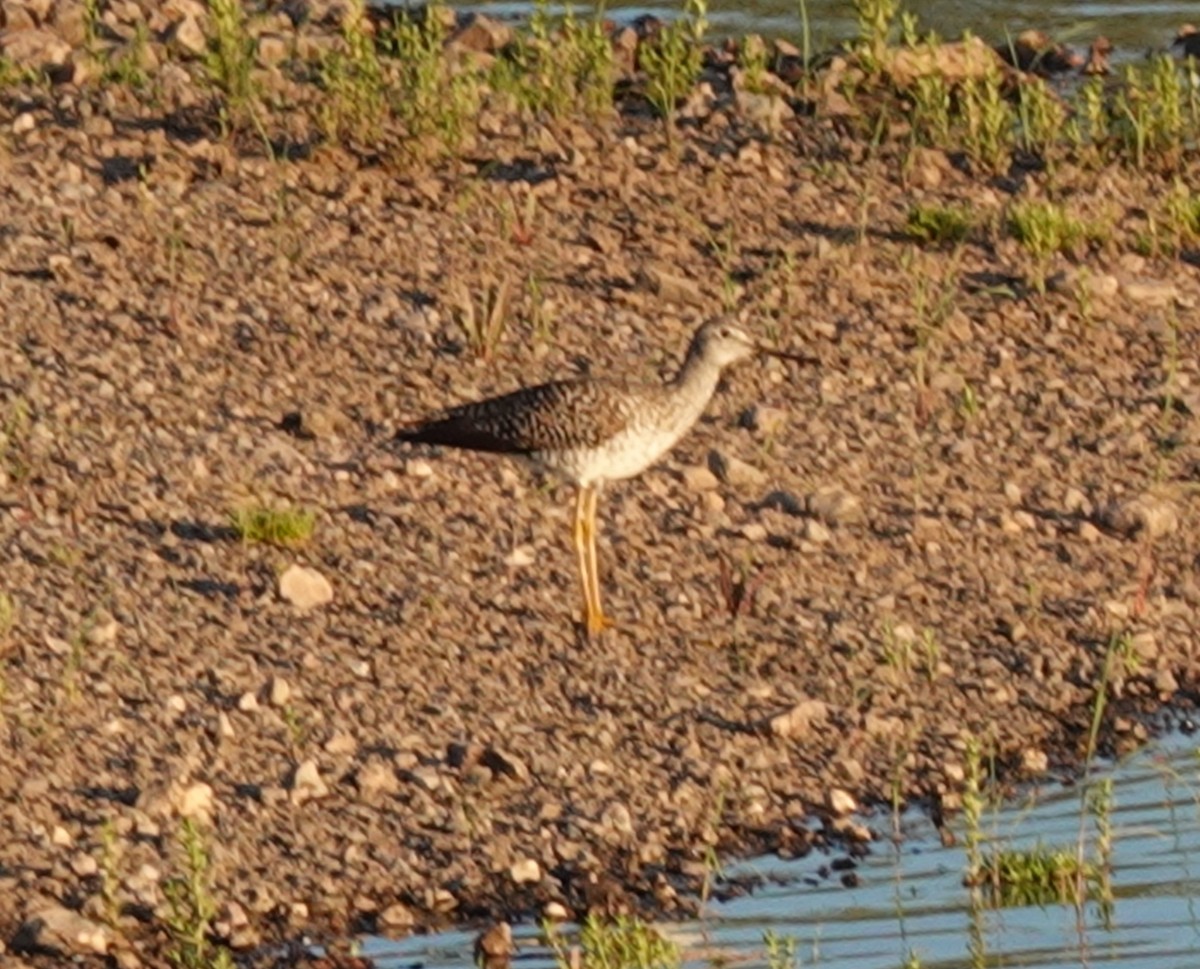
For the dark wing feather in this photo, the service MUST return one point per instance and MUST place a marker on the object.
(548, 417)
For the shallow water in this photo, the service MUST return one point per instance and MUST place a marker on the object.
(1134, 26)
(911, 901)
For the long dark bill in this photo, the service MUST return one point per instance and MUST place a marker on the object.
(784, 355)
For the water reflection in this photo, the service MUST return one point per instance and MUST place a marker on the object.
(1135, 27)
(910, 901)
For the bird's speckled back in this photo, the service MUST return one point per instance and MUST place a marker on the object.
(592, 430)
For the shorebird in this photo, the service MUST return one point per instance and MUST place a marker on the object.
(592, 430)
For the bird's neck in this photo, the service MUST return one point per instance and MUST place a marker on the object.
(697, 377)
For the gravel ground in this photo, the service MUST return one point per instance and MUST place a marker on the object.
(939, 529)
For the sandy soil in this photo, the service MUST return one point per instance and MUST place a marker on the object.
(943, 526)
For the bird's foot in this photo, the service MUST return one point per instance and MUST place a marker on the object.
(596, 623)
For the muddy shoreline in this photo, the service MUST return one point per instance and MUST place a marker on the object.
(938, 535)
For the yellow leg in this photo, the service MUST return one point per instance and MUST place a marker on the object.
(580, 537)
(597, 622)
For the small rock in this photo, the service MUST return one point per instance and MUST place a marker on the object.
(815, 532)
(955, 61)
(482, 34)
(734, 471)
(196, 801)
(1016, 630)
(834, 506)
(84, 865)
(341, 743)
(462, 756)
(1096, 285)
(144, 883)
(124, 959)
(1150, 292)
(1075, 501)
(428, 777)
(520, 557)
(1145, 645)
(754, 532)
(62, 931)
(1146, 513)
(307, 783)
(699, 104)
(625, 42)
(502, 763)
(699, 479)
(279, 692)
(232, 920)
(312, 423)
(1034, 760)
(397, 916)
(768, 111)
(764, 421)
(304, 587)
(103, 629)
(673, 288)
(442, 900)
(376, 778)
(15, 15)
(928, 167)
(797, 721)
(526, 871)
(37, 48)
(616, 817)
(555, 912)
(495, 945)
(272, 50)
(878, 726)
(1036, 51)
(248, 703)
(852, 830)
(786, 502)
(840, 802)
(186, 36)
(603, 239)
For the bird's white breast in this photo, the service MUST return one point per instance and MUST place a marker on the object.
(629, 453)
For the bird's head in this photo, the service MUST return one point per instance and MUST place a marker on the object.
(723, 342)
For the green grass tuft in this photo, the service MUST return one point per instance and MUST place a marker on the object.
(229, 63)
(938, 224)
(354, 81)
(619, 943)
(1041, 875)
(192, 907)
(671, 62)
(272, 526)
(1046, 228)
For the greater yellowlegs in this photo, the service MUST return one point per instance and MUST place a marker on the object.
(592, 430)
